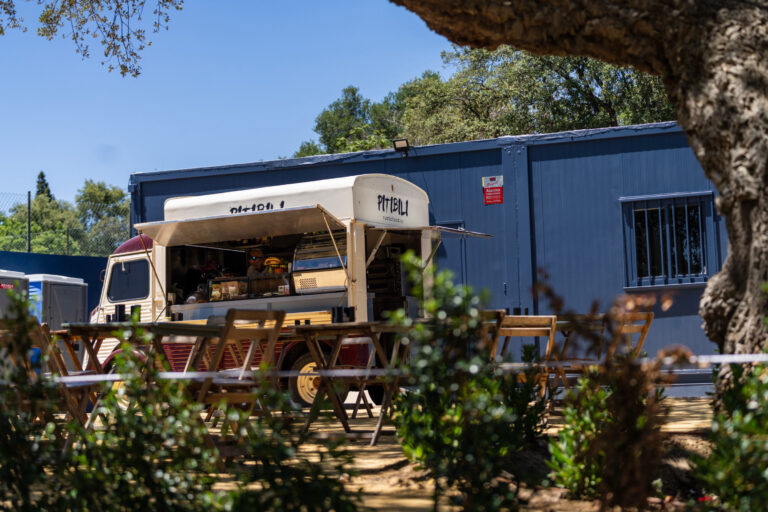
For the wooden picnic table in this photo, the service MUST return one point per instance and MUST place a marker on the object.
(92, 336)
(338, 333)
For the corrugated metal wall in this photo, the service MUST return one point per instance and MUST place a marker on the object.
(578, 229)
(561, 211)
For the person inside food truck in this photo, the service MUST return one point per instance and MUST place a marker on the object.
(255, 263)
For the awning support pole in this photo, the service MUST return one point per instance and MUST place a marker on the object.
(375, 248)
(431, 254)
(336, 247)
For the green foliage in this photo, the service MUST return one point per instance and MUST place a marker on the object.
(119, 26)
(150, 449)
(576, 465)
(509, 92)
(491, 94)
(611, 444)
(27, 430)
(285, 478)
(736, 470)
(352, 123)
(42, 186)
(94, 226)
(150, 455)
(308, 148)
(465, 420)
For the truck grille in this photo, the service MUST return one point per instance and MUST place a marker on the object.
(307, 282)
(178, 353)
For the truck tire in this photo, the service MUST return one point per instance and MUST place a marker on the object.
(123, 402)
(304, 388)
(376, 393)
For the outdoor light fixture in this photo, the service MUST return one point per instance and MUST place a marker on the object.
(401, 146)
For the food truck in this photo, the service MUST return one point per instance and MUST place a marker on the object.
(321, 251)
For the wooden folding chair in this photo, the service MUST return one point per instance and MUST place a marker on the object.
(489, 331)
(525, 326)
(74, 397)
(627, 325)
(590, 328)
(234, 386)
(609, 336)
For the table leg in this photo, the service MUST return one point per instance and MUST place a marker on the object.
(93, 358)
(390, 388)
(213, 368)
(72, 355)
(326, 383)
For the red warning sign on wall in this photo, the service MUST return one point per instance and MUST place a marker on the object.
(493, 189)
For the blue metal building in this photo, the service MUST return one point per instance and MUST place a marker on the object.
(602, 212)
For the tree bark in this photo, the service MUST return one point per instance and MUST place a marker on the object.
(713, 57)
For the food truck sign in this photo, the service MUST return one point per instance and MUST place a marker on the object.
(375, 199)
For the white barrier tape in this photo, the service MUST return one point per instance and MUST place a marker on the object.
(228, 376)
(703, 361)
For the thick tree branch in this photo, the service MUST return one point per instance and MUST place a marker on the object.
(712, 57)
(634, 32)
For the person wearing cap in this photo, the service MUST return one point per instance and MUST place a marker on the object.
(255, 263)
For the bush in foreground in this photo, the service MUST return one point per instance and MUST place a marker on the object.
(736, 471)
(465, 420)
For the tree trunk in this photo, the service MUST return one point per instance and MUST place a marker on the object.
(713, 57)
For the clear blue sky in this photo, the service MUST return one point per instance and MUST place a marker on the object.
(230, 82)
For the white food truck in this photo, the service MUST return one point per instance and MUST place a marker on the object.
(321, 251)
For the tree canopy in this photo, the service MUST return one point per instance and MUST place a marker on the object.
(119, 26)
(490, 94)
(94, 226)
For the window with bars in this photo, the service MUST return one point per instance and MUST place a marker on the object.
(670, 239)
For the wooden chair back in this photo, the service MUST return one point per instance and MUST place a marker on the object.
(256, 326)
(491, 319)
(628, 325)
(74, 398)
(525, 326)
(260, 328)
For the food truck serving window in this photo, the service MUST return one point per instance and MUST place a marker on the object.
(129, 281)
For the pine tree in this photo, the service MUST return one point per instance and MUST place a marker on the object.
(42, 186)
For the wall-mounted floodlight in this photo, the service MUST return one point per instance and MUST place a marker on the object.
(401, 146)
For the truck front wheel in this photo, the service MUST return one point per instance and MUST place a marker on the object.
(304, 387)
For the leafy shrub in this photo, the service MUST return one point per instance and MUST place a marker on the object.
(611, 444)
(285, 478)
(576, 464)
(28, 435)
(155, 453)
(737, 469)
(150, 455)
(465, 419)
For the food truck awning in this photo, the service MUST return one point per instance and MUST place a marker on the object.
(240, 226)
(443, 231)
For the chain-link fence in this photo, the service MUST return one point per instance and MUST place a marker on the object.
(45, 225)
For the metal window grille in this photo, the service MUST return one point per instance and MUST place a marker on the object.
(668, 239)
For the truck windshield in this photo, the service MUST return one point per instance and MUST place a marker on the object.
(129, 281)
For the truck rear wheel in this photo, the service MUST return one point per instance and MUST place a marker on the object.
(123, 402)
(304, 387)
(376, 393)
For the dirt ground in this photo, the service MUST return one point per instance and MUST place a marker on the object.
(390, 483)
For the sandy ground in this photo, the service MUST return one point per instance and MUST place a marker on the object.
(390, 483)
